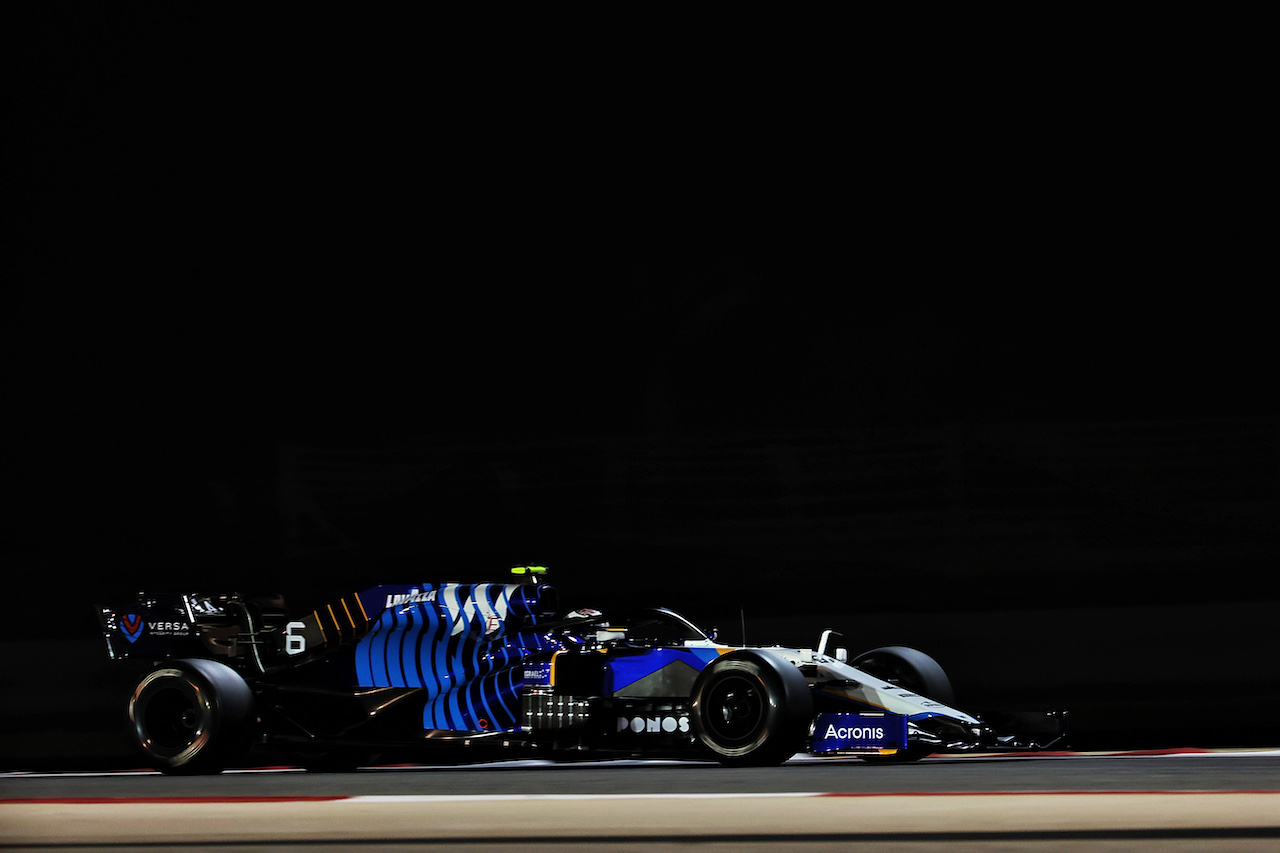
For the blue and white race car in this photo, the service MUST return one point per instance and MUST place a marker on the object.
(470, 672)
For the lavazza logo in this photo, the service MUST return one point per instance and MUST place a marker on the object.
(474, 612)
(653, 725)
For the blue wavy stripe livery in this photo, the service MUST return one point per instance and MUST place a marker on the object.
(453, 640)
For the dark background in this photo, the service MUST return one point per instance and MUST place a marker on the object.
(966, 349)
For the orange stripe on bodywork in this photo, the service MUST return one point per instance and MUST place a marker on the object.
(354, 627)
(553, 667)
(320, 625)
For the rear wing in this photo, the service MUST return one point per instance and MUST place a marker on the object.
(151, 626)
(154, 626)
(257, 633)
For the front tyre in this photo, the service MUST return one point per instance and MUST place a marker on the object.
(917, 672)
(909, 668)
(191, 716)
(751, 708)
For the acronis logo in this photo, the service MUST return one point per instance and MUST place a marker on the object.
(131, 626)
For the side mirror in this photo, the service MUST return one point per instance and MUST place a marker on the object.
(822, 643)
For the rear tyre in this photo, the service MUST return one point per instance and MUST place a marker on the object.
(191, 716)
(751, 708)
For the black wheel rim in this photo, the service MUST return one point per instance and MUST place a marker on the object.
(172, 719)
(735, 710)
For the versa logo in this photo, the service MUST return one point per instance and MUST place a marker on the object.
(132, 626)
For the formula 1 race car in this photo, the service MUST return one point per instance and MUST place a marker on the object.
(404, 671)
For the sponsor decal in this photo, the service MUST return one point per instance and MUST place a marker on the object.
(472, 613)
(855, 732)
(169, 629)
(653, 725)
(538, 674)
(833, 732)
(413, 596)
(132, 626)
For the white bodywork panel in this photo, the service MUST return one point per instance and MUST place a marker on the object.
(840, 679)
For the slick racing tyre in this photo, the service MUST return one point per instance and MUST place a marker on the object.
(751, 707)
(915, 671)
(191, 716)
(909, 668)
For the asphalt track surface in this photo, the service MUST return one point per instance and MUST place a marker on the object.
(1185, 800)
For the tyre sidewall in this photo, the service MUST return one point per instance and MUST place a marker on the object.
(781, 718)
(911, 668)
(191, 716)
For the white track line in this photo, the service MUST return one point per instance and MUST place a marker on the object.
(543, 763)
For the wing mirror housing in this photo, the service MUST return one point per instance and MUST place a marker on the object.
(841, 654)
